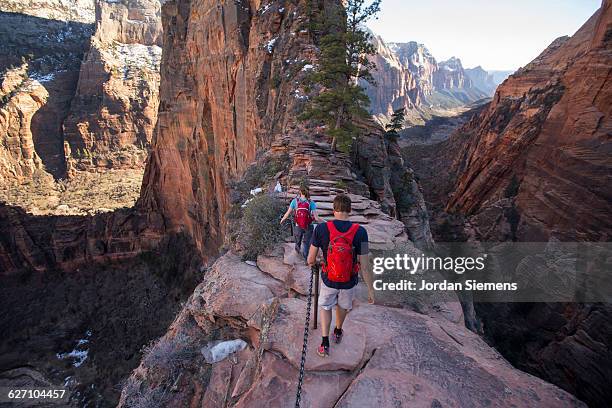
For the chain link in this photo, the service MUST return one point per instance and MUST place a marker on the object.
(298, 395)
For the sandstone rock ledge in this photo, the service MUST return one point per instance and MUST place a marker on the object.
(389, 357)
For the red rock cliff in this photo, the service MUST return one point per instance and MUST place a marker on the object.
(543, 146)
(227, 89)
(114, 111)
(20, 99)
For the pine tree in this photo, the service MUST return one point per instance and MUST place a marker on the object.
(345, 46)
(396, 124)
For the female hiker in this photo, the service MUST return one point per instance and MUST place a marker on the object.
(305, 212)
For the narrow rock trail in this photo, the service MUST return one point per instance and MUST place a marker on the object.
(329, 175)
(389, 357)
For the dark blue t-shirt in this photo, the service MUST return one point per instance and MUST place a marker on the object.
(320, 240)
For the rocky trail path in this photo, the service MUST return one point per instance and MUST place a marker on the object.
(390, 356)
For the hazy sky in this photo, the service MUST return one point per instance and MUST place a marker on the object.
(495, 34)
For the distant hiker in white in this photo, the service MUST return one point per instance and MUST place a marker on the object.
(345, 247)
(305, 213)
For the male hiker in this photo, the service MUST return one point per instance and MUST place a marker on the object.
(345, 247)
(305, 213)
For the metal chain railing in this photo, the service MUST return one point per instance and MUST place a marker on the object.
(298, 396)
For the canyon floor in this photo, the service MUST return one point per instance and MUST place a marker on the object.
(87, 193)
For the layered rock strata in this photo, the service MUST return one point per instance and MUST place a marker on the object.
(114, 111)
(409, 77)
(20, 99)
(51, 37)
(391, 182)
(535, 166)
(220, 106)
(543, 144)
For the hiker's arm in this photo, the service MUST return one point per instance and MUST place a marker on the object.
(366, 271)
(316, 217)
(287, 214)
(312, 255)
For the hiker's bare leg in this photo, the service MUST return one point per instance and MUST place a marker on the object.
(326, 316)
(340, 316)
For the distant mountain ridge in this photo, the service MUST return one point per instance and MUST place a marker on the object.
(409, 76)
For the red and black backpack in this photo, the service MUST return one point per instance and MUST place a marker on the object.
(303, 216)
(341, 264)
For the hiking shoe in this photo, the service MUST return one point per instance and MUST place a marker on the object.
(323, 351)
(338, 335)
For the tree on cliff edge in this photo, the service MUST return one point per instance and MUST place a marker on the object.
(345, 46)
(396, 124)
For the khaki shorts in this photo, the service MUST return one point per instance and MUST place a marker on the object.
(328, 297)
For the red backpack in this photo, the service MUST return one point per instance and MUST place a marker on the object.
(303, 217)
(341, 265)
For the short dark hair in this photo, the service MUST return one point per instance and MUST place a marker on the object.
(342, 203)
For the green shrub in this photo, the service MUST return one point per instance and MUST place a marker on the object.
(276, 81)
(341, 185)
(260, 227)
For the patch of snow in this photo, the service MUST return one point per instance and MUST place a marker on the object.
(252, 263)
(270, 45)
(42, 77)
(79, 354)
(135, 57)
(69, 381)
(278, 188)
(266, 8)
(307, 67)
(298, 95)
(256, 191)
(218, 351)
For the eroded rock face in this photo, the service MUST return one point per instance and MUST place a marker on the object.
(106, 107)
(544, 143)
(81, 11)
(65, 243)
(451, 75)
(51, 36)
(482, 80)
(396, 85)
(534, 166)
(114, 111)
(408, 76)
(391, 182)
(21, 98)
(227, 87)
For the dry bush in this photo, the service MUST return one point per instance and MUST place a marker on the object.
(137, 397)
(167, 355)
(260, 227)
